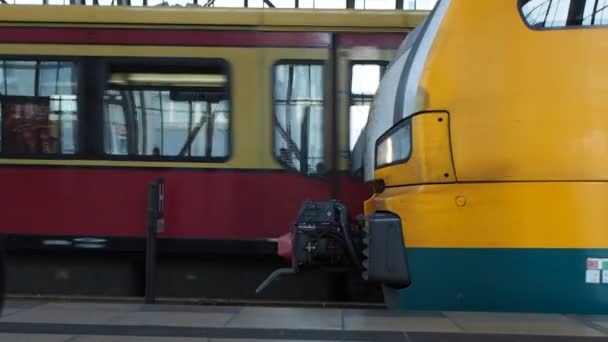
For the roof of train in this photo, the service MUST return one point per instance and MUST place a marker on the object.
(395, 20)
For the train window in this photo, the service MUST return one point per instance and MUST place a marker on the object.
(365, 78)
(38, 108)
(298, 117)
(167, 115)
(564, 13)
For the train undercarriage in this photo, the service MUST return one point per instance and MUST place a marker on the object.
(322, 242)
(323, 238)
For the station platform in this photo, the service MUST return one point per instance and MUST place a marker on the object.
(33, 321)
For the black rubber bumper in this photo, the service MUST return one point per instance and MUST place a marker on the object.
(386, 261)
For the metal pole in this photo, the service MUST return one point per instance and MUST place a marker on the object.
(350, 3)
(155, 210)
(3, 273)
(3, 276)
(334, 153)
(399, 4)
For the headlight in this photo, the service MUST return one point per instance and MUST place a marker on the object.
(394, 146)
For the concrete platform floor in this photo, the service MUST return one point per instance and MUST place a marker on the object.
(33, 321)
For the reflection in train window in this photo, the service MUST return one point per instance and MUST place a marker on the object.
(167, 115)
(39, 107)
(365, 78)
(298, 122)
(561, 13)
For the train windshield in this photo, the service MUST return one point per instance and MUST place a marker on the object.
(553, 14)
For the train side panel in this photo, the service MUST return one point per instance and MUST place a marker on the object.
(521, 225)
(251, 195)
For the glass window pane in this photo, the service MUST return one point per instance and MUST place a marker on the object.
(115, 137)
(56, 78)
(19, 78)
(25, 2)
(375, 4)
(601, 13)
(229, 3)
(299, 119)
(365, 79)
(421, 5)
(254, 3)
(329, 4)
(167, 119)
(307, 3)
(221, 121)
(358, 118)
(396, 147)
(39, 107)
(284, 3)
(564, 13)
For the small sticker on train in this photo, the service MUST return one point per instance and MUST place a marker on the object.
(592, 276)
(605, 277)
(593, 264)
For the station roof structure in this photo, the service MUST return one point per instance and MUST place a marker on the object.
(387, 20)
(316, 4)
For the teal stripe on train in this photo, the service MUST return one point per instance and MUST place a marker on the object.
(521, 280)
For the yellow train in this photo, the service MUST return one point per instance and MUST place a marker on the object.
(487, 146)
(495, 162)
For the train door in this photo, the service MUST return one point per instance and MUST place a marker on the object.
(300, 125)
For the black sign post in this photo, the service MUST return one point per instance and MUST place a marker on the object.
(155, 224)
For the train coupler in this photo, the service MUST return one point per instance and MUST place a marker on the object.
(323, 238)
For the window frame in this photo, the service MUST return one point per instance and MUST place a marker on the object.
(295, 61)
(149, 65)
(351, 64)
(76, 60)
(555, 28)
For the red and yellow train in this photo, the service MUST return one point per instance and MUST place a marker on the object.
(243, 113)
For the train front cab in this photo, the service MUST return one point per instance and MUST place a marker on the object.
(498, 178)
